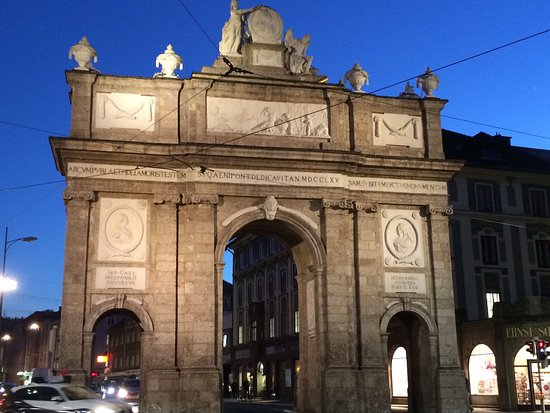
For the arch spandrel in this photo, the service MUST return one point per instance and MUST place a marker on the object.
(128, 304)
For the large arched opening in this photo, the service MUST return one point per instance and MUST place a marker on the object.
(272, 334)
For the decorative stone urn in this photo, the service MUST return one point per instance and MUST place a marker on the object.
(83, 54)
(357, 77)
(428, 82)
(169, 61)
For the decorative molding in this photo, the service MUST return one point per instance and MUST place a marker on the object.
(119, 300)
(71, 195)
(125, 110)
(188, 199)
(350, 204)
(440, 209)
(397, 129)
(159, 199)
(270, 207)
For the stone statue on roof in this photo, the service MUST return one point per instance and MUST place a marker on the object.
(299, 63)
(233, 29)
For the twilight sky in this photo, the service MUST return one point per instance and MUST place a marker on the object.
(506, 91)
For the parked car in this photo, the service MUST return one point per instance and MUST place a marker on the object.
(59, 397)
(129, 392)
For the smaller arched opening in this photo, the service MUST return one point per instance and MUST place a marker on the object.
(409, 332)
(116, 355)
(532, 379)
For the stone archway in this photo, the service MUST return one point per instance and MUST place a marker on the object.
(409, 325)
(309, 256)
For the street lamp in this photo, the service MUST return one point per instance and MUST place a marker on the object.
(7, 284)
(5, 339)
(32, 327)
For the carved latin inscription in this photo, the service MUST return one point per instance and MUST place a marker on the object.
(124, 110)
(122, 230)
(402, 232)
(305, 120)
(397, 129)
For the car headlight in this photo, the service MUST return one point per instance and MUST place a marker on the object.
(103, 410)
(111, 390)
(122, 393)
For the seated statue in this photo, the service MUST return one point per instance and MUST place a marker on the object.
(298, 62)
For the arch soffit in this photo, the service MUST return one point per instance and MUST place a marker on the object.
(299, 224)
(410, 307)
(133, 306)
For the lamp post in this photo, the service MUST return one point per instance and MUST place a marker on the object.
(7, 245)
(30, 329)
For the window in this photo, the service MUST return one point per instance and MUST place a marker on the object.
(451, 187)
(283, 279)
(511, 195)
(253, 330)
(484, 197)
(249, 292)
(284, 315)
(271, 284)
(240, 295)
(225, 340)
(272, 319)
(489, 250)
(240, 328)
(542, 247)
(261, 248)
(296, 321)
(260, 288)
(491, 299)
(482, 371)
(252, 253)
(537, 202)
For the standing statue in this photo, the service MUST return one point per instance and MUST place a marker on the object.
(299, 63)
(232, 32)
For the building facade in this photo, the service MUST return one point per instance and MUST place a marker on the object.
(163, 173)
(500, 237)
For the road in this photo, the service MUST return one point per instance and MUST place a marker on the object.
(256, 406)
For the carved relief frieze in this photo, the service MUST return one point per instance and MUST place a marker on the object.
(122, 230)
(303, 120)
(71, 194)
(403, 238)
(397, 129)
(124, 110)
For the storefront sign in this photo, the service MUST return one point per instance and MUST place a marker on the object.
(527, 332)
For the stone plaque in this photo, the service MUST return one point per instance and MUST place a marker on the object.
(122, 229)
(301, 120)
(402, 282)
(397, 129)
(132, 278)
(124, 110)
(403, 239)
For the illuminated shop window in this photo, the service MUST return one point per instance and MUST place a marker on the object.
(483, 372)
(399, 380)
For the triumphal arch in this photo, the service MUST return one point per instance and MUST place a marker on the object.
(163, 172)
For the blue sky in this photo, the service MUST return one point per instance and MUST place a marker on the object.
(393, 40)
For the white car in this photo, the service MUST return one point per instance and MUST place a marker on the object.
(67, 397)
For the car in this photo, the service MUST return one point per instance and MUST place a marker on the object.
(60, 397)
(129, 392)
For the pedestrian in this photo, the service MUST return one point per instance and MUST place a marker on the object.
(234, 389)
(246, 389)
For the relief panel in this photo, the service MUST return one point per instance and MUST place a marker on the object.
(403, 238)
(397, 129)
(304, 120)
(122, 230)
(124, 110)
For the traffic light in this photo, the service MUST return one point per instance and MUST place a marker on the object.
(531, 347)
(541, 349)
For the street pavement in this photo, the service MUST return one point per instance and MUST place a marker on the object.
(279, 406)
